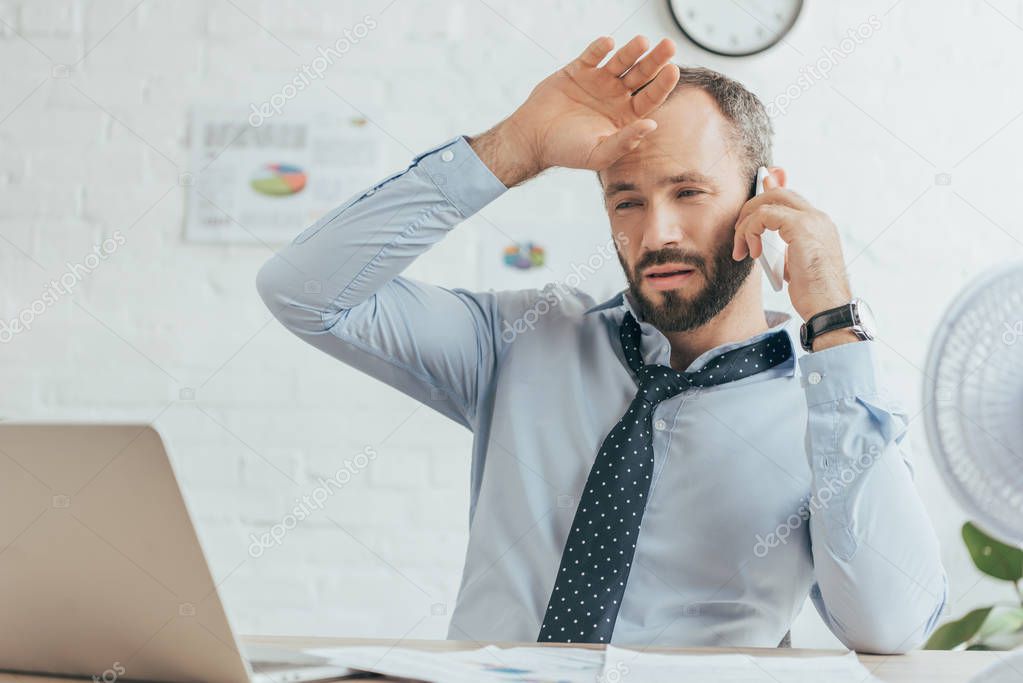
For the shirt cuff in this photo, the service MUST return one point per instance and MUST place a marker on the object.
(461, 175)
(842, 371)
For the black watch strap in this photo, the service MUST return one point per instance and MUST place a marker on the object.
(825, 321)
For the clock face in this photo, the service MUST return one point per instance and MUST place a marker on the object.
(735, 28)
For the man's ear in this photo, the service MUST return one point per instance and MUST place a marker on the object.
(777, 174)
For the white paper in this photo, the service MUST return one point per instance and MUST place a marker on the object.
(330, 156)
(573, 665)
(630, 665)
(490, 664)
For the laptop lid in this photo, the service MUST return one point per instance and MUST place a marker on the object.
(101, 571)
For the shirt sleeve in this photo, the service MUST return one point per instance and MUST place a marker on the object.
(880, 585)
(338, 286)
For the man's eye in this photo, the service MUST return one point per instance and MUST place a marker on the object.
(625, 205)
(689, 193)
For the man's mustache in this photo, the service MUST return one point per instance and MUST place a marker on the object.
(672, 258)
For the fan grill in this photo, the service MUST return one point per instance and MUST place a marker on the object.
(974, 401)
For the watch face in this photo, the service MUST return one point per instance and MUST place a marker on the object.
(865, 318)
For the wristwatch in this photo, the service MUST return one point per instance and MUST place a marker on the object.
(855, 315)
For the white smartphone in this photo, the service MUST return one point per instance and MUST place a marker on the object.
(772, 258)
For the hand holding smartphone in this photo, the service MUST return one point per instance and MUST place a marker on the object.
(772, 257)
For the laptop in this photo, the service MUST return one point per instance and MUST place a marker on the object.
(101, 572)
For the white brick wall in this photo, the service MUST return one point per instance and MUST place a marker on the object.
(93, 135)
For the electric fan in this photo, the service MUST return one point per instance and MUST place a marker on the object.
(973, 403)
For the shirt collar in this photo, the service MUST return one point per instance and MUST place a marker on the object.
(776, 320)
(616, 300)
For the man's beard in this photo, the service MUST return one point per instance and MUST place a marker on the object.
(675, 312)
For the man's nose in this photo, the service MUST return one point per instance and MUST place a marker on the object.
(663, 228)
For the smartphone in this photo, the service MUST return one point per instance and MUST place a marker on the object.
(772, 257)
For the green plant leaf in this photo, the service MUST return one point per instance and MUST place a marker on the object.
(1002, 630)
(1001, 620)
(957, 632)
(1003, 641)
(992, 557)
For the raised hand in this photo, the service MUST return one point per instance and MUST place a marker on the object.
(584, 115)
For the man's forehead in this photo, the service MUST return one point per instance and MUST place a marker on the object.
(692, 137)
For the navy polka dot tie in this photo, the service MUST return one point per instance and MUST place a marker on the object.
(598, 554)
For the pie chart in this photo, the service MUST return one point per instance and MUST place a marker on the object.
(278, 180)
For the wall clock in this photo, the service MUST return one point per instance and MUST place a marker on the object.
(735, 28)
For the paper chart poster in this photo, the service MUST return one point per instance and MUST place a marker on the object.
(266, 183)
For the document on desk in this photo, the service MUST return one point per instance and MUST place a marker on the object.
(621, 664)
(492, 664)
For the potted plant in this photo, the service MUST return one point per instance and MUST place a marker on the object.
(995, 627)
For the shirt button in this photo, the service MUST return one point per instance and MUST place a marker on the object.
(660, 425)
(814, 377)
(447, 155)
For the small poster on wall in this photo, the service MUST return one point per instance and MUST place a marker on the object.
(264, 180)
(525, 255)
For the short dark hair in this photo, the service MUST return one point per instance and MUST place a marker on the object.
(744, 110)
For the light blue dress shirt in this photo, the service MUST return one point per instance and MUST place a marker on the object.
(788, 483)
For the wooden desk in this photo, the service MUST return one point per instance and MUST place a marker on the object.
(916, 667)
(930, 666)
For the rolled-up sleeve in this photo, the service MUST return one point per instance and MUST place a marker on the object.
(338, 286)
(880, 585)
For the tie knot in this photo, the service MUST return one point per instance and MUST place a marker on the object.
(660, 382)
